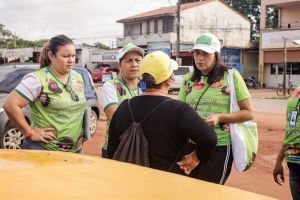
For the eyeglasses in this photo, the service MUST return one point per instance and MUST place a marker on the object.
(74, 96)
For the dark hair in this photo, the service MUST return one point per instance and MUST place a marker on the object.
(149, 80)
(53, 45)
(215, 75)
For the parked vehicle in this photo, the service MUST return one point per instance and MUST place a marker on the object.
(10, 76)
(100, 72)
(51, 175)
(251, 82)
(178, 75)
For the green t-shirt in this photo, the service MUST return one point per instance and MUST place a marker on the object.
(123, 92)
(215, 100)
(292, 136)
(55, 108)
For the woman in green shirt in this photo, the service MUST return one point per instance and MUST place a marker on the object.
(290, 150)
(207, 91)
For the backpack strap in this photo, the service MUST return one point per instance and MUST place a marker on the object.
(155, 108)
(130, 110)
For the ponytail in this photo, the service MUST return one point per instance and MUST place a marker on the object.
(44, 59)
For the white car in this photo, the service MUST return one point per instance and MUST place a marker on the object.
(179, 73)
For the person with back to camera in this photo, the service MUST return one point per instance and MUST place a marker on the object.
(167, 128)
(207, 91)
(55, 95)
(290, 149)
(122, 87)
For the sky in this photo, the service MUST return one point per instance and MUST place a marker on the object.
(83, 20)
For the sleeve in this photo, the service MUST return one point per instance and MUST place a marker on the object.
(182, 94)
(109, 95)
(191, 125)
(241, 89)
(30, 87)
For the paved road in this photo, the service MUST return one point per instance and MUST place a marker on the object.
(269, 105)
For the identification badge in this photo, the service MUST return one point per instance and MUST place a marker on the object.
(293, 118)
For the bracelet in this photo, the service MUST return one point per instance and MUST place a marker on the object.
(29, 134)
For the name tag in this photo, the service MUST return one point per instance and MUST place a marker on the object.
(293, 118)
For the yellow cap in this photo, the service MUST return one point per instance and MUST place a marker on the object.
(159, 65)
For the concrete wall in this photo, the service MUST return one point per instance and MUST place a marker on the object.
(215, 17)
(290, 15)
(250, 63)
(283, 4)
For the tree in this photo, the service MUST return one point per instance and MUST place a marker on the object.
(250, 9)
(8, 40)
(6, 37)
(101, 45)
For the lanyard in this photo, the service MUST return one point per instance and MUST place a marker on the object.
(297, 105)
(129, 90)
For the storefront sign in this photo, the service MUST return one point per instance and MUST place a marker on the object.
(156, 46)
(104, 56)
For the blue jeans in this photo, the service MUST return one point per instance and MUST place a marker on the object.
(29, 144)
(294, 176)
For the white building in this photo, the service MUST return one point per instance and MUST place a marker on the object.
(156, 29)
(271, 58)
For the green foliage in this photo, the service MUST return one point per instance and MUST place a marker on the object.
(250, 9)
(101, 45)
(8, 40)
(272, 18)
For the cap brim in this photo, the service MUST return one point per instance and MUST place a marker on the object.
(136, 49)
(174, 64)
(204, 48)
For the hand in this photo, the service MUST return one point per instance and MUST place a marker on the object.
(188, 162)
(278, 173)
(43, 134)
(213, 120)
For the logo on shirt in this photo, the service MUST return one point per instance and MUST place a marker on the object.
(53, 87)
(225, 90)
(121, 90)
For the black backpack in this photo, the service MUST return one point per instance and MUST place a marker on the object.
(133, 147)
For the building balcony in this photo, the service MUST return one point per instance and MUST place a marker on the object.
(274, 39)
(142, 40)
(281, 3)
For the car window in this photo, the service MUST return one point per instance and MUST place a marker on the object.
(10, 78)
(181, 71)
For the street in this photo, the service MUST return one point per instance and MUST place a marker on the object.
(270, 117)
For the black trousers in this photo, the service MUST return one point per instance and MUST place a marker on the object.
(217, 169)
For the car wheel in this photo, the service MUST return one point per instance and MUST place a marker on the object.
(93, 122)
(12, 138)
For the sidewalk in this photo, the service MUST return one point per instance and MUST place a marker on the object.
(264, 93)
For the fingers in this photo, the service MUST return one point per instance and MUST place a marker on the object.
(278, 178)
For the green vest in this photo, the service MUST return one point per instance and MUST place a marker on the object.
(292, 135)
(123, 92)
(55, 108)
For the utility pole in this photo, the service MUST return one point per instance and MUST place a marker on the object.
(178, 31)
(284, 66)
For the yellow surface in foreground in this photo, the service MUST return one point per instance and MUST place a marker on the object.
(55, 175)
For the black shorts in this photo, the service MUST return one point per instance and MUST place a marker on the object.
(217, 169)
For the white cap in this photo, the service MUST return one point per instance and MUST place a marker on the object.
(128, 48)
(208, 42)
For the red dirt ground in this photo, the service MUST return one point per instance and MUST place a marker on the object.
(259, 178)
